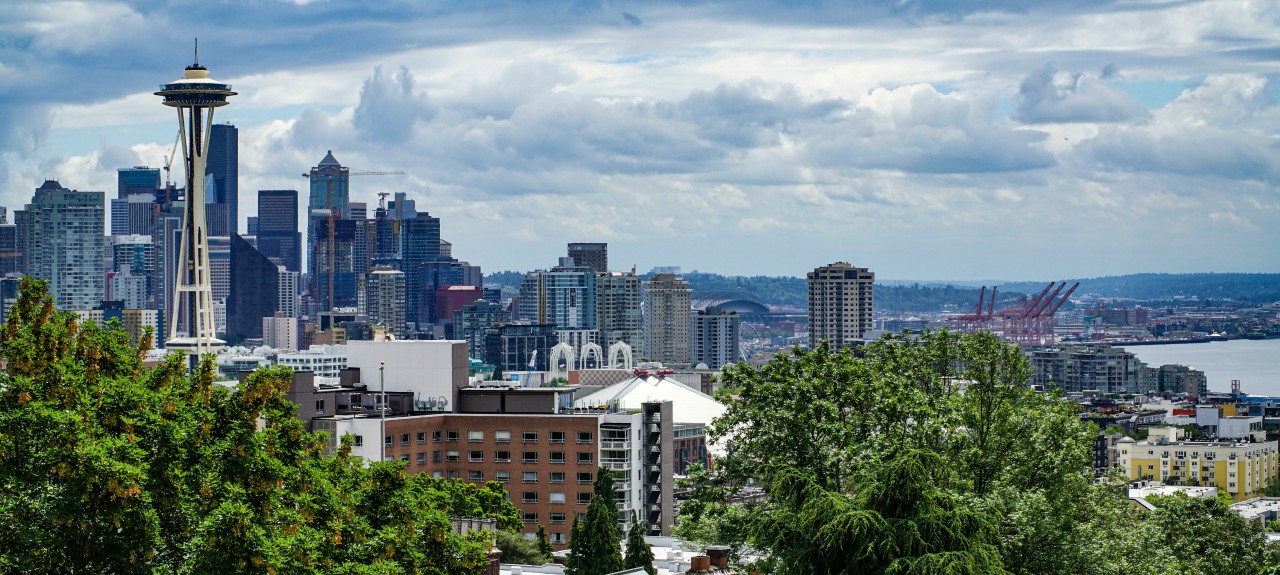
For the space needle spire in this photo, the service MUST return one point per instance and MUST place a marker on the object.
(195, 95)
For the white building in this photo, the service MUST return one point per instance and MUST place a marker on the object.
(323, 360)
(281, 332)
(431, 369)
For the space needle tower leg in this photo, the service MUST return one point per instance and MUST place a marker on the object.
(195, 96)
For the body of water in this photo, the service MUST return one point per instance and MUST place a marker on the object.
(1256, 363)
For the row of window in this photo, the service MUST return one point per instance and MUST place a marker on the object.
(477, 456)
(477, 436)
(554, 477)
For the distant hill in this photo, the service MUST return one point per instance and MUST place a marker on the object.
(1255, 288)
(900, 296)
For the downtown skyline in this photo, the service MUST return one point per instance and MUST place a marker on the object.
(1007, 141)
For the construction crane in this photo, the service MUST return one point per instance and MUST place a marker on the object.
(331, 217)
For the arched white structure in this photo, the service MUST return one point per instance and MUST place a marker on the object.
(591, 350)
(561, 352)
(620, 348)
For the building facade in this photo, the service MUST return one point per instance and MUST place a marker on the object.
(840, 304)
(1074, 368)
(223, 168)
(593, 256)
(382, 299)
(253, 292)
(1241, 469)
(619, 309)
(668, 300)
(713, 338)
(278, 235)
(64, 239)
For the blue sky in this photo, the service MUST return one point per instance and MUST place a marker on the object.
(922, 139)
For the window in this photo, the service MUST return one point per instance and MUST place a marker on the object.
(556, 457)
(502, 476)
(475, 475)
(584, 437)
(502, 436)
(529, 457)
(557, 477)
(422, 437)
(529, 517)
(529, 497)
(475, 436)
(529, 436)
(557, 517)
(435, 436)
(502, 456)
(451, 436)
(529, 477)
(422, 458)
(557, 437)
(388, 441)
(557, 538)
(584, 457)
(404, 458)
(557, 497)
(357, 440)
(451, 474)
(584, 497)
(319, 407)
(435, 456)
(584, 477)
(452, 455)
(404, 439)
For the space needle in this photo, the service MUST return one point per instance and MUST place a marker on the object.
(195, 95)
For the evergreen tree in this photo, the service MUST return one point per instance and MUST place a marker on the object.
(639, 553)
(544, 546)
(596, 546)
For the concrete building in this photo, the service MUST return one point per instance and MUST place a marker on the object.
(1240, 469)
(1074, 368)
(281, 332)
(713, 339)
(668, 300)
(382, 299)
(474, 320)
(135, 322)
(568, 294)
(289, 296)
(840, 304)
(619, 309)
(64, 239)
(1177, 379)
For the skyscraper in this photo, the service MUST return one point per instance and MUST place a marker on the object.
(666, 321)
(840, 304)
(593, 256)
(224, 167)
(329, 237)
(135, 195)
(568, 293)
(137, 180)
(254, 291)
(64, 231)
(420, 241)
(278, 235)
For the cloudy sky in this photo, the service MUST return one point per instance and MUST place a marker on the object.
(923, 139)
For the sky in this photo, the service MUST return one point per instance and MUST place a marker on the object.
(923, 139)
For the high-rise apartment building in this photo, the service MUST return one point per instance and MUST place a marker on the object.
(1074, 368)
(64, 233)
(668, 300)
(223, 166)
(840, 304)
(619, 313)
(289, 292)
(137, 180)
(278, 235)
(568, 293)
(593, 256)
(11, 256)
(382, 298)
(713, 338)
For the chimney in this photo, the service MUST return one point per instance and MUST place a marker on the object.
(719, 555)
(699, 564)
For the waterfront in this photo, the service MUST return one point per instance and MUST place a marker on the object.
(1256, 363)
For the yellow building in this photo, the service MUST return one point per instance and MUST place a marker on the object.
(1241, 469)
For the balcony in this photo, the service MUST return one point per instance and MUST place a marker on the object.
(615, 444)
(615, 464)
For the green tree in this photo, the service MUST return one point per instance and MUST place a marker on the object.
(544, 546)
(639, 553)
(516, 549)
(107, 466)
(596, 547)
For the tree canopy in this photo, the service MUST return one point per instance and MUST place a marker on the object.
(918, 453)
(107, 466)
